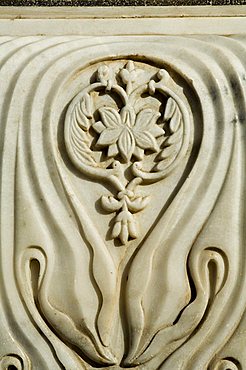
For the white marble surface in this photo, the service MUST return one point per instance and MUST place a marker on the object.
(123, 194)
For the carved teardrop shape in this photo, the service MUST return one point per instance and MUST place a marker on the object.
(136, 132)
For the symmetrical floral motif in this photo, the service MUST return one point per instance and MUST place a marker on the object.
(127, 133)
(127, 203)
(131, 133)
(158, 303)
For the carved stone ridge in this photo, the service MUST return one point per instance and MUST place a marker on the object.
(122, 208)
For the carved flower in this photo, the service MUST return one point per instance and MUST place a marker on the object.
(127, 133)
(129, 73)
(127, 203)
(103, 74)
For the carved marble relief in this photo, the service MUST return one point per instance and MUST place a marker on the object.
(122, 202)
(130, 124)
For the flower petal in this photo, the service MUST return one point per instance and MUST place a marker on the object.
(110, 204)
(130, 66)
(125, 75)
(116, 230)
(108, 136)
(126, 144)
(124, 233)
(103, 74)
(128, 116)
(113, 150)
(110, 117)
(146, 141)
(137, 204)
(145, 119)
(156, 131)
(98, 127)
(139, 153)
(132, 228)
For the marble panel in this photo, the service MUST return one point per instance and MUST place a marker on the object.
(122, 191)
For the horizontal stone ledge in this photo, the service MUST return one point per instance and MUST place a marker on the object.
(69, 12)
(51, 3)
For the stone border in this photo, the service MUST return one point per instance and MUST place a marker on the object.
(10, 12)
(51, 3)
(100, 21)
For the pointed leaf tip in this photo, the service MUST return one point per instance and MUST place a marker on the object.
(110, 117)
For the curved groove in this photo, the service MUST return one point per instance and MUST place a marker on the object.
(51, 198)
(239, 106)
(197, 309)
(11, 361)
(217, 332)
(163, 231)
(6, 208)
(228, 363)
(50, 208)
(34, 171)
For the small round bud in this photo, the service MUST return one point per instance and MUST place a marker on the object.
(163, 74)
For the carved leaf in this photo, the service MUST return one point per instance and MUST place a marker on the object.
(137, 204)
(110, 117)
(146, 118)
(132, 227)
(80, 117)
(126, 144)
(80, 144)
(124, 227)
(113, 150)
(175, 121)
(109, 136)
(116, 230)
(156, 131)
(166, 153)
(173, 114)
(125, 75)
(98, 127)
(172, 143)
(110, 203)
(170, 108)
(86, 105)
(146, 140)
(174, 138)
(124, 233)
